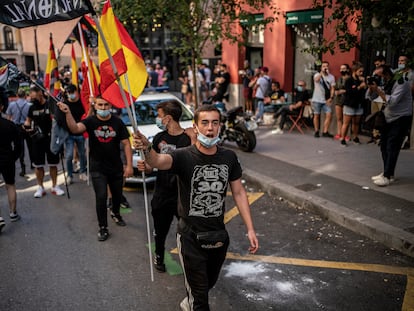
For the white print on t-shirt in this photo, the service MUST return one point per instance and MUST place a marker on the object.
(166, 147)
(207, 190)
(105, 133)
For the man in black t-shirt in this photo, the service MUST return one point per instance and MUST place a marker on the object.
(164, 200)
(106, 133)
(222, 85)
(204, 171)
(76, 108)
(39, 125)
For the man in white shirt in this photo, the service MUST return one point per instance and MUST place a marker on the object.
(322, 99)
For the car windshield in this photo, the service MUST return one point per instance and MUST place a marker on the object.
(146, 112)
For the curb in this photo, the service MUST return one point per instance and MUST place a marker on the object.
(374, 229)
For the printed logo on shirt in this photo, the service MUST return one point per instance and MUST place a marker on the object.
(208, 186)
(165, 147)
(105, 133)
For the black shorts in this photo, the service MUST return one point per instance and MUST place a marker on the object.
(8, 170)
(41, 149)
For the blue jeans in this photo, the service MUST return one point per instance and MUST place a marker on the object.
(69, 145)
(260, 108)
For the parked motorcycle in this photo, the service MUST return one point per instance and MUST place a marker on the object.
(238, 127)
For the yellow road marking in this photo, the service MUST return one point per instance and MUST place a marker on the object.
(325, 264)
(408, 302)
(252, 196)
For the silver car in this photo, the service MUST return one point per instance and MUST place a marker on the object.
(146, 112)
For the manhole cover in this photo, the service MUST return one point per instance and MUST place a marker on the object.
(307, 187)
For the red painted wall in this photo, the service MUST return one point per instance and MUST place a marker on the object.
(278, 49)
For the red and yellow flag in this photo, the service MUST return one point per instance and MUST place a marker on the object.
(86, 92)
(74, 66)
(52, 82)
(136, 70)
(110, 32)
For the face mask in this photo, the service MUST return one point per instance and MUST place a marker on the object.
(103, 113)
(344, 73)
(158, 122)
(401, 66)
(300, 88)
(206, 141)
(72, 96)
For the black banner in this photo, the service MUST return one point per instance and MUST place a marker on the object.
(25, 13)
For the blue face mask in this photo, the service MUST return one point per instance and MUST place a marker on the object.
(300, 88)
(103, 113)
(401, 66)
(72, 96)
(158, 122)
(206, 141)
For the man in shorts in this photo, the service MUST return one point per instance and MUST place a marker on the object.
(39, 125)
(10, 149)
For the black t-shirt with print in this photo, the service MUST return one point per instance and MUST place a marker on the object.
(202, 183)
(166, 183)
(104, 143)
(41, 114)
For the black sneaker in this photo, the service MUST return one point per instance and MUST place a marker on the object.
(118, 220)
(103, 234)
(124, 203)
(327, 134)
(343, 143)
(316, 134)
(2, 224)
(159, 264)
(14, 217)
(356, 140)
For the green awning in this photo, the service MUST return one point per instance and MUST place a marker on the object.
(252, 20)
(304, 17)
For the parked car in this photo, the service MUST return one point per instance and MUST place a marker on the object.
(146, 112)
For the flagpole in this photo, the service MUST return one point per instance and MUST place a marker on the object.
(86, 58)
(135, 127)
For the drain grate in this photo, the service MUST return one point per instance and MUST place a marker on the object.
(307, 187)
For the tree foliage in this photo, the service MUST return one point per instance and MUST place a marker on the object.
(194, 22)
(388, 22)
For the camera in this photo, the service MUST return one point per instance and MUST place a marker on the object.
(374, 80)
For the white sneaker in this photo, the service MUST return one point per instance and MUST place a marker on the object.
(382, 181)
(373, 178)
(83, 177)
(40, 192)
(69, 180)
(56, 190)
(185, 305)
(277, 131)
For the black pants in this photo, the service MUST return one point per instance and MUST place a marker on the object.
(201, 268)
(284, 112)
(163, 212)
(100, 181)
(392, 138)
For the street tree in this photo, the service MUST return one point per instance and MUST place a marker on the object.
(196, 22)
(390, 23)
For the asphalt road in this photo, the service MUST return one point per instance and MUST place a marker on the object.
(51, 260)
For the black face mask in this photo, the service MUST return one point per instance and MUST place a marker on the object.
(35, 101)
(343, 73)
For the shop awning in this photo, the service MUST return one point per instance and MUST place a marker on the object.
(252, 19)
(304, 17)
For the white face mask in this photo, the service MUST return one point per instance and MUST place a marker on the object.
(206, 141)
(401, 66)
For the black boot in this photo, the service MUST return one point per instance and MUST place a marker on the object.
(159, 263)
(23, 171)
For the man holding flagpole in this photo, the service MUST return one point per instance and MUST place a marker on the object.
(106, 134)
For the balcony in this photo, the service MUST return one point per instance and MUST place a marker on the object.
(8, 47)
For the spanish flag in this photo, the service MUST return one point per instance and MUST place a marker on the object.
(74, 68)
(52, 82)
(136, 70)
(110, 32)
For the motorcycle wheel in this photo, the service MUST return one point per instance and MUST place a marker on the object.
(246, 139)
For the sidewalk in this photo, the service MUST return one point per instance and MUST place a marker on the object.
(335, 182)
